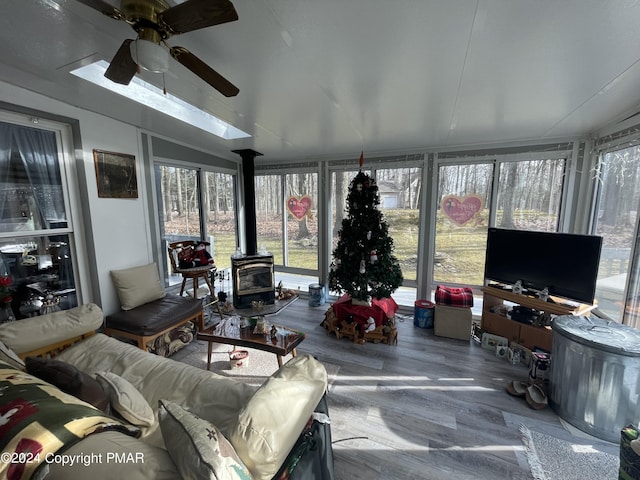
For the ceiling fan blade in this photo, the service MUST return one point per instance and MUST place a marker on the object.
(195, 14)
(204, 71)
(122, 68)
(104, 7)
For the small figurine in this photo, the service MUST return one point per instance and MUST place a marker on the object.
(371, 325)
(201, 256)
(196, 256)
(517, 287)
(284, 293)
(274, 332)
(544, 294)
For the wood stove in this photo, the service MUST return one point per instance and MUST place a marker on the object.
(252, 274)
(253, 280)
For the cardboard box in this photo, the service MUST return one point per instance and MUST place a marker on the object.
(452, 322)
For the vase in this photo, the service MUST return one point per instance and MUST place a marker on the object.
(6, 313)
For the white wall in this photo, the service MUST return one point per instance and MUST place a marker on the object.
(118, 229)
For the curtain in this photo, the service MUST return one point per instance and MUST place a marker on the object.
(32, 198)
(39, 155)
(5, 161)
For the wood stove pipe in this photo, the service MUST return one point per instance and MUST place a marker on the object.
(248, 171)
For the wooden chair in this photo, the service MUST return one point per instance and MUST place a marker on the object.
(194, 273)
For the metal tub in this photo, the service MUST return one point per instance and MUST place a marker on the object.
(595, 375)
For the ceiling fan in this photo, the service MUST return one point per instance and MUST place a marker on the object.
(155, 21)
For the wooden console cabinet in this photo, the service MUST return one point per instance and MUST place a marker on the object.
(526, 335)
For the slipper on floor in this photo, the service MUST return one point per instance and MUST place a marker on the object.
(516, 388)
(536, 397)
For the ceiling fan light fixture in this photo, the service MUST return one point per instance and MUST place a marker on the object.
(150, 56)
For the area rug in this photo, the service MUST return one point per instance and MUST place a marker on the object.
(552, 458)
(255, 371)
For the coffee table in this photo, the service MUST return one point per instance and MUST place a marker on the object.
(230, 332)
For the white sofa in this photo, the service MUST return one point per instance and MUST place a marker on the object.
(262, 423)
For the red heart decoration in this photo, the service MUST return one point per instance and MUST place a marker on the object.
(461, 210)
(299, 206)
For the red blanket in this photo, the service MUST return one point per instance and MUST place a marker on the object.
(454, 296)
(380, 310)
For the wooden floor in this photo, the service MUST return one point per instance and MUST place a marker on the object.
(428, 408)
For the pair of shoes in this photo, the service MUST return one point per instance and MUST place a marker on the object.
(516, 388)
(536, 398)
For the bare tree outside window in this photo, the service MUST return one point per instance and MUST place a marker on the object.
(529, 194)
(618, 176)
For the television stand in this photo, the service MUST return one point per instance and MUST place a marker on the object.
(526, 335)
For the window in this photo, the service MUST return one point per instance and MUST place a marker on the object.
(400, 190)
(399, 194)
(192, 201)
(220, 199)
(301, 196)
(179, 208)
(36, 238)
(529, 194)
(340, 188)
(287, 219)
(269, 207)
(462, 219)
(615, 220)
(528, 197)
(32, 195)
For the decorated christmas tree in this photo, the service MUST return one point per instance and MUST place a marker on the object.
(363, 262)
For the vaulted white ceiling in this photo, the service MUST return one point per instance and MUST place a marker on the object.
(328, 78)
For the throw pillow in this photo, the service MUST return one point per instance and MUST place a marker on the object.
(197, 447)
(137, 285)
(126, 399)
(33, 333)
(267, 427)
(70, 380)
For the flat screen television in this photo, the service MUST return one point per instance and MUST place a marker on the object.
(565, 263)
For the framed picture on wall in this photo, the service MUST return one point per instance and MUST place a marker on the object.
(115, 174)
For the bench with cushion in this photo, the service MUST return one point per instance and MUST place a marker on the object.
(157, 322)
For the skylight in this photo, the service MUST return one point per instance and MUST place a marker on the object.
(153, 97)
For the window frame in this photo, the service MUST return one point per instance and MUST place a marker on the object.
(267, 170)
(422, 161)
(622, 141)
(71, 196)
(201, 171)
(564, 151)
